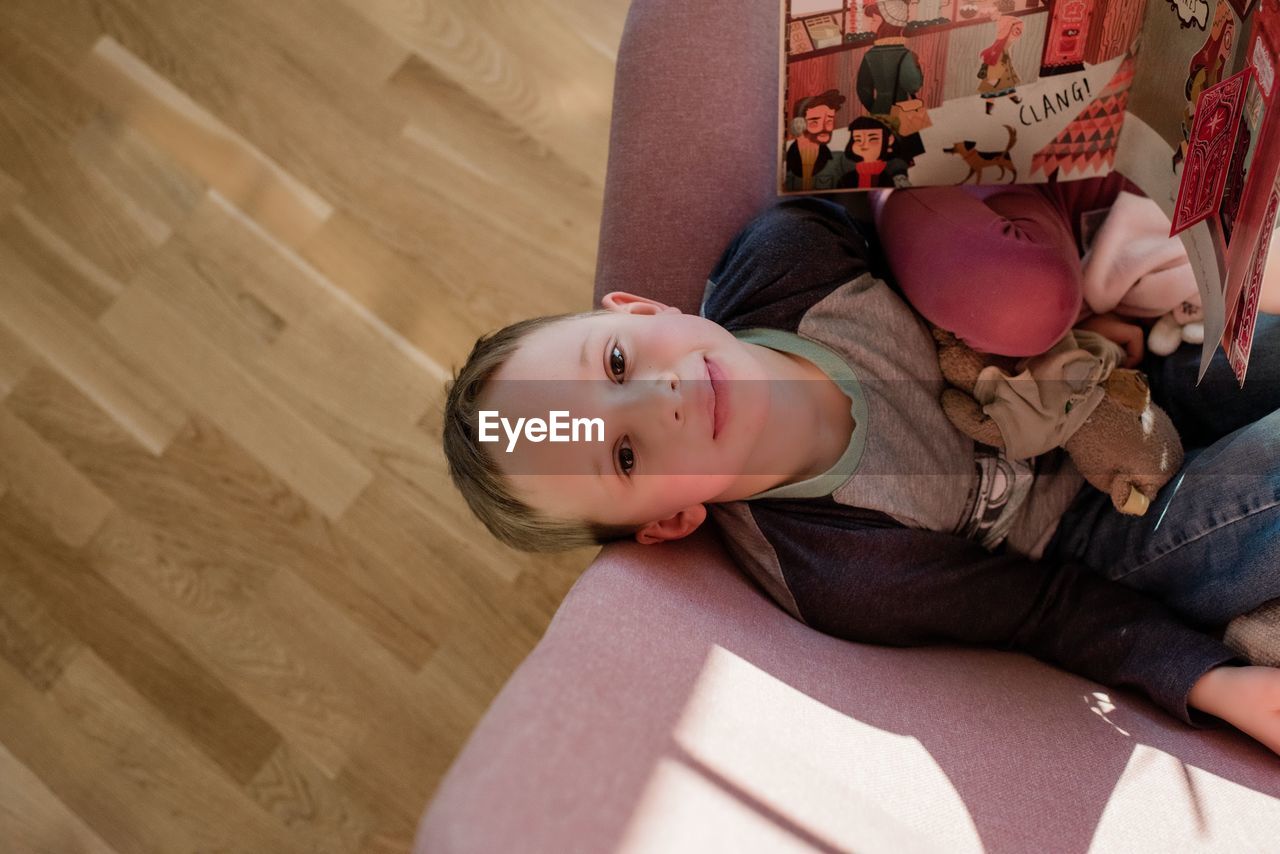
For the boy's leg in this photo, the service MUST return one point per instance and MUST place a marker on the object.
(1217, 406)
(1210, 543)
(1000, 269)
(1209, 546)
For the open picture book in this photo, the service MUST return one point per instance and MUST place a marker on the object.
(1176, 95)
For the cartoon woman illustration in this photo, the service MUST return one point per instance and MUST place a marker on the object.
(997, 74)
(870, 153)
(890, 72)
(1206, 69)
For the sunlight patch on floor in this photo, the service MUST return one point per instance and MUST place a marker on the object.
(750, 751)
(1162, 804)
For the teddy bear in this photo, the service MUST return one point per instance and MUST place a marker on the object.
(1126, 447)
(1071, 397)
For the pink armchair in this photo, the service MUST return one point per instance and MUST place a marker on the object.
(671, 707)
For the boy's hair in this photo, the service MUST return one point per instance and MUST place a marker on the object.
(476, 474)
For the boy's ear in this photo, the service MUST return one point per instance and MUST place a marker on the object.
(632, 304)
(674, 527)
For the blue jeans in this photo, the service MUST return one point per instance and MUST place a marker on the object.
(1209, 546)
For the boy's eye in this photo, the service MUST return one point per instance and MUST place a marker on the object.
(617, 362)
(626, 459)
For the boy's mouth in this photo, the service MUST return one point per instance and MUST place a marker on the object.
(717, 387)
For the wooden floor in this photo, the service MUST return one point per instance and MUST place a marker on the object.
(242, 244)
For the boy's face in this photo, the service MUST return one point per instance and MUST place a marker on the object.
(679, 420)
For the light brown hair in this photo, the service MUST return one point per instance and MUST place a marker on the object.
(475, 473)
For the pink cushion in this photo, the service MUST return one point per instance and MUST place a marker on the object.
(691, 148)
(674, 708)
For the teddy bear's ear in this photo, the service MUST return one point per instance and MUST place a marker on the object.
(942, 336)
(1129, 388)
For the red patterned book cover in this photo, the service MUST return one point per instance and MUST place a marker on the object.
(1209, 148)
(1247, 215)
(1238, 336)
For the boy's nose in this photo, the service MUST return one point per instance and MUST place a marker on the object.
(659, 401)
(670, 406)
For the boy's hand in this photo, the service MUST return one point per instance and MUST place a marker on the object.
(1246, 697)
(1114, 328)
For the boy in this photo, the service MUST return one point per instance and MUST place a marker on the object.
(808, 386)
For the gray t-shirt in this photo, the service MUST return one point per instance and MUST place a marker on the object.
(905, 458)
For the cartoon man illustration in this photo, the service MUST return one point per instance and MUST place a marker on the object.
(870, 154)
(1206, 69)
(890, 72)
(810, 162)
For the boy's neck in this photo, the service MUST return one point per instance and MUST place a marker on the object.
(807, 428)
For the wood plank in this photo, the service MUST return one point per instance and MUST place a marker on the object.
(351, 368)
(32, 818)
(62, 32)
(206, 496)
(295, 659)
(506, 153)
(348, 378)
(41, 111)
(504, 61)
(10, 191)
(312, 464)
(343, 375)
(85, 285)
(550, 225)
(311, 290)
(15, 360)
(462, 589)
(462, 677)
(424, 303)
(49, 486)
(505, 158)
(199, 141)
(288, 535)
(47, 323)
(312, 33)
(390, 189)
(397, 287)
(216, 270)
(451, 214)
(104, 619)
(289, 667)
(292, 788)
(127, 773)
(520, 192)
(31, 640)
(82, 433)
(598, 24)
(247, 288)
(108, 148)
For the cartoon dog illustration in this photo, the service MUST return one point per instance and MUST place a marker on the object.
(982, 160)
